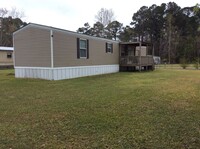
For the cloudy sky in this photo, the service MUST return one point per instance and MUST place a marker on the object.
(72, 14)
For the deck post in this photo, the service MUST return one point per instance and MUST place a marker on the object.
(140, 57)
(153, 50)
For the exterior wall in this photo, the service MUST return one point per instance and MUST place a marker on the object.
(65, 50)
(64, 72)
(3, 58)
(143, 51)
(32, 47)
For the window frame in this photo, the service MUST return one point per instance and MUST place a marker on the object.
(9, 55)
(81, 48)
(109, 47)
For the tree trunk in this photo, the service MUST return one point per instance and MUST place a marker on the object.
(170, 38)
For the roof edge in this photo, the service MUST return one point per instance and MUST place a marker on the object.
(63, 30)
(3, 48)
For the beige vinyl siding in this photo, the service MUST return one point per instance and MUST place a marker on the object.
(32, 47)
(65, 50)
(4, 59)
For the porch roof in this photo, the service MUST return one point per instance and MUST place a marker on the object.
(136, 43)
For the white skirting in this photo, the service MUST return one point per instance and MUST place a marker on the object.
(64, 72)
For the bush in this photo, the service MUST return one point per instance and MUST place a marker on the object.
(183, 63)
(196, 64)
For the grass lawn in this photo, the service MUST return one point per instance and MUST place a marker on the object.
(159, 109)
(174, 66)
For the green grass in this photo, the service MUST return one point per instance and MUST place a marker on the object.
(174, 66)
(159, 109)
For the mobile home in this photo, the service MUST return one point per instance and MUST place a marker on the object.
(51, 53)
(6, 56)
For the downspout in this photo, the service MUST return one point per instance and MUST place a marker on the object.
(52, 60)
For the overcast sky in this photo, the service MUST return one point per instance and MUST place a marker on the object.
(72, 14)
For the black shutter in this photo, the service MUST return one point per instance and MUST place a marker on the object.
(106, 47)
(78, 48)
(87, 49)
(112, 48)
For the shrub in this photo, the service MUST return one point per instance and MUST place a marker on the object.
(196, 64)
(183, 63)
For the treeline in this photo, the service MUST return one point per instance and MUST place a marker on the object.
(10, 21)
(173, 32)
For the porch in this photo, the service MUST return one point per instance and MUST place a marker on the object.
(136, 56)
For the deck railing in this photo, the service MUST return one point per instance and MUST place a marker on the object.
(135, 60)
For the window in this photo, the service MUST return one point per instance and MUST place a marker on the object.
(82, 48)
(9, 55)
(109, 48)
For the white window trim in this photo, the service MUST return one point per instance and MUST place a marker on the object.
(85, 57)
(108, 43)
